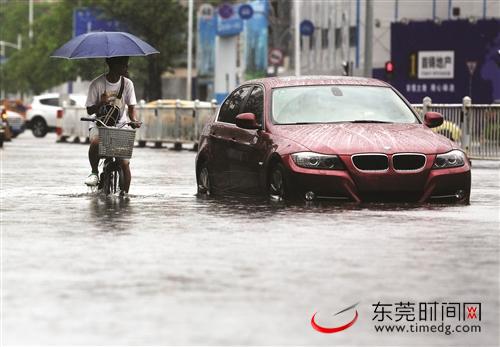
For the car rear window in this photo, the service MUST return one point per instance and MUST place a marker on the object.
(339, 103)
(50, 101)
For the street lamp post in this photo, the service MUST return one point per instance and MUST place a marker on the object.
(30, 20)
(190, 51)
(297, 37)
(4, 44)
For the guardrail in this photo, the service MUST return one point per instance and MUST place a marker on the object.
(475, 128)
(172, 121)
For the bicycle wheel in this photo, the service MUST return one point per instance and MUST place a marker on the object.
(121, 179)
(107, 181)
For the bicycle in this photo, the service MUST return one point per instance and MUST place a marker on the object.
(115, 144)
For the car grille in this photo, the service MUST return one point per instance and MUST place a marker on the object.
(370, 162)
(408, 162)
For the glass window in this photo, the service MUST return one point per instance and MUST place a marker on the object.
(339, 103)
(255, 104)
(231, 107)
(50, 101)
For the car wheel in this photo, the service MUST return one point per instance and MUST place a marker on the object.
(277, 184)
(39, 127)
(203, 179)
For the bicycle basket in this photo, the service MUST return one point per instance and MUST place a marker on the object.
(115, 142)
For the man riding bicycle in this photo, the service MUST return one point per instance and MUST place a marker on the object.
(111, 88)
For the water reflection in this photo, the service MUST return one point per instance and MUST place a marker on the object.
(243, 205)
(110, 213)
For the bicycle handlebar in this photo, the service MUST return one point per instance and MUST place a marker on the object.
(95, 120)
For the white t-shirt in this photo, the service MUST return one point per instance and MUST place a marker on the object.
(101, 85)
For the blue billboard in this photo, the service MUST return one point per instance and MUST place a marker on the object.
(88, 19)
(446, 60)
(205, 48)
(256, 37)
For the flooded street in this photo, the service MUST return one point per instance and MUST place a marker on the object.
(166, 267)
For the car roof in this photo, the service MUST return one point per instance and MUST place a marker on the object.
(57, 95)
(78, 98)
(289, 81)
(47, 96)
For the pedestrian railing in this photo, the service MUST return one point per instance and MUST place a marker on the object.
(164, 121)
(475, 128)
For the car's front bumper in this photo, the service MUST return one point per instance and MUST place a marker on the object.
(351, 184)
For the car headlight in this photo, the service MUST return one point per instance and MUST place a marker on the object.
(453, 158)
(311, 160)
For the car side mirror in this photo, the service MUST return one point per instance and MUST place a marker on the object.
(247, 121)
(433, 119)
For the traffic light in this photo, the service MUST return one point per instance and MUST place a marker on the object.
(389, 69)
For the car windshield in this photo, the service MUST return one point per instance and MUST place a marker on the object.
(334, 103)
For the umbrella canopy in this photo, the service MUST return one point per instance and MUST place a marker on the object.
(104, 44)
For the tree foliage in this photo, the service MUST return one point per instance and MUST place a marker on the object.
(160, 23)
(31, 69)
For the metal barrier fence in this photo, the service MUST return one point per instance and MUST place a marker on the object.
(170, 121)
(475, 128)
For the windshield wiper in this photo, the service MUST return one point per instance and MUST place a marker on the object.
(368, 121)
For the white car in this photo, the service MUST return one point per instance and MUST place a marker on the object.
(42, 115)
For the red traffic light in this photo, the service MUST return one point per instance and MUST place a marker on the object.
(389, 67)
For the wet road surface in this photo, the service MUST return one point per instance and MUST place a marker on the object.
(166, 267)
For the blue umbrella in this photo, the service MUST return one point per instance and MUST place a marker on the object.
(104, 44)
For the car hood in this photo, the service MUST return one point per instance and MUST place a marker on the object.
(350, 138)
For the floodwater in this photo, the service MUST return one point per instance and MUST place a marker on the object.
(167, 268)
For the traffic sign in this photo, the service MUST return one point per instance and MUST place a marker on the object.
(88, 19)
(275, 56)
(472, 66)
(206, 11)
(226, 11)
(245, 11)
(306, 27)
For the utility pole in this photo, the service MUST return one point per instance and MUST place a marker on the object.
(190, 51)
(345, 27)
(30, 19)
(297, 37)
(368, 66)
(17, 46)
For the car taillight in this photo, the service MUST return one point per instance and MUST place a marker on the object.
(60, 114)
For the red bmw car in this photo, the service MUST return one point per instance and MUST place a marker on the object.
(327, 137)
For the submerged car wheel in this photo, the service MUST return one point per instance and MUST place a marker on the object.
(277, 185)
(39, 127)
(204, 187)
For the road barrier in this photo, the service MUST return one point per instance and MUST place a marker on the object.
(475, 128)
(164, 121)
